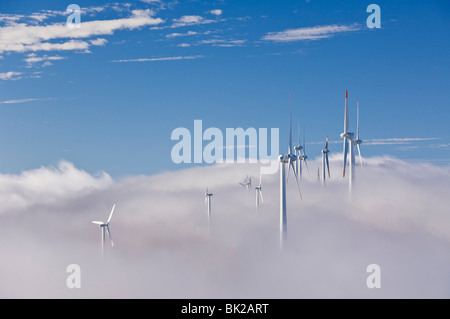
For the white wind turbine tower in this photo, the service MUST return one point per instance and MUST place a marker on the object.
(349, 143)
(289, 159)
(105, 227)
(325, 162)
(208, 205)
(259, 193)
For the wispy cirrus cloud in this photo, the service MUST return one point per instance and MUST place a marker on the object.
(46, 60)
(187, 21)
(170, 58)
(309, 33)
(217, 42)
(398, 140)
(20, 101)
(189, 33)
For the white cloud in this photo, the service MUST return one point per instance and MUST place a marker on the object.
(187, 20)
(216, 12)
(99, 42)
(190, 20)
(309, 33)
(11, 75)
(171, 58)
(48, 186)
(22, 37)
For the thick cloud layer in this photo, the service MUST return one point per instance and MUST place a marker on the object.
(397, 218)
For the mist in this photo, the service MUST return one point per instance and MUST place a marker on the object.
(397, 217)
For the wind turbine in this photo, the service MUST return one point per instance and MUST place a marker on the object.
(325, 161)
(105, 227)
(289, 159)
(247, 182)
(208, 205)
(259, 193)
(349, 144)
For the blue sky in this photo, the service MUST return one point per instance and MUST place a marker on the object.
(108, 95)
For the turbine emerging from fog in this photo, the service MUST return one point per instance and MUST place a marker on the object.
(325, 161)
(349, 144)
(247, 182)
(208, 205)
(105, 228)
(259, 192)
(289, 159)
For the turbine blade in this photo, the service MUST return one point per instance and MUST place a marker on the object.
(300, 167)
(346, 124)
(359, 152)
(290, 129)
(328, 165)
(109, 235)
(296, 179)
(261, 195)
(97, 222)
(110, 215)
(306, 164)
(345, 154)
(304, 139)
(357, 120)
(289, 169)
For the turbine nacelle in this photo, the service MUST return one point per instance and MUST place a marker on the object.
(287, 158)
(207, 195)
(100, 224)
(348, 135)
